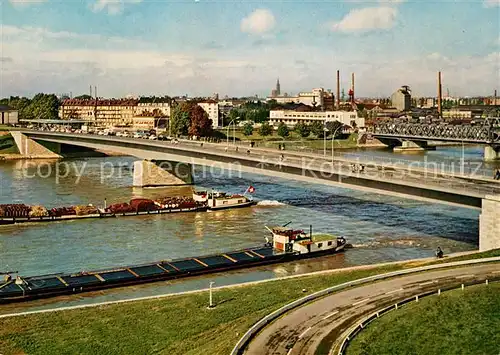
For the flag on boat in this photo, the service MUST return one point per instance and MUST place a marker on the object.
(251, 189)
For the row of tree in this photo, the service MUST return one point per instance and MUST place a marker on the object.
(188, 118)
(41, 106)
(302, 129)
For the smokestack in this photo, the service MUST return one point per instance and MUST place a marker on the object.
(352, 87)
(495, 97)
(95, 92)
(338, 90)
(90, 90)
(440, 95)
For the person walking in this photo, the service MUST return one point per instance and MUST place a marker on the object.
(497, 175)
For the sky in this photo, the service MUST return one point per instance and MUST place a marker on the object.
(240, 48)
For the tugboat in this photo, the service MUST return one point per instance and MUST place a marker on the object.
(220, 200)
(298, 242)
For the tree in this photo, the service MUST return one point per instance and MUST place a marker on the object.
(283, 130)
(334, 127)
(248, 129)
(84, 97)
(317, 128)
(45, 106)
(233, 115)
(201, 125)
(265, 130)
(179, 119)
(302, 129)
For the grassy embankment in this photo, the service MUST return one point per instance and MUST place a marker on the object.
(172, 325)
(457, 322)
(7, 145)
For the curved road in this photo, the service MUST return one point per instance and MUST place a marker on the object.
(323, 322)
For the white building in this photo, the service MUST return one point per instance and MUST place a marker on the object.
(8, 115)
(291, 118)
(211, 107)
(153, 108)
(315, 97)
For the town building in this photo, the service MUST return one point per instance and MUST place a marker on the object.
(102, 113)
(8, 115)
(292, 117)
(401, 99)
(317, 97)
(154, 106)
(211, 107)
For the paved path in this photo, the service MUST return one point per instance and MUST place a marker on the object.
(302, 330)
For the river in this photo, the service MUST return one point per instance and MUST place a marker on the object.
(381, 228)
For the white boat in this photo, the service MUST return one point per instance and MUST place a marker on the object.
(220, 200)
(289, 240)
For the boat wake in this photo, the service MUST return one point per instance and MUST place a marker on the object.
(270, 203)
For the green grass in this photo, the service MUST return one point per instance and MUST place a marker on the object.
(457, 322)
(172, 325)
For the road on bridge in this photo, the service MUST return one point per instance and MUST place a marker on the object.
(302, 330)
(378, 178)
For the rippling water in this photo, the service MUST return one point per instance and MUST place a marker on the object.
(380, 227)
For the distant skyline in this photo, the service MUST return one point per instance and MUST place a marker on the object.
(198, 47)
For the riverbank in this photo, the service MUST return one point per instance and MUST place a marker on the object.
(176, 324)
(438, 325)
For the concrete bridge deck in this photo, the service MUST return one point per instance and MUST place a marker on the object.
(421, 185)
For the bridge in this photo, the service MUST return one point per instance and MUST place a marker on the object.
(414, 184)
(486, 133)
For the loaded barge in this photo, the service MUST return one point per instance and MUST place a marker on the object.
(286, 245)
(200, 202)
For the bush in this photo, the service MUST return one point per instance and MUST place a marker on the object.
(248, 129)
(283, 130)
(302, 129)
(265, 130)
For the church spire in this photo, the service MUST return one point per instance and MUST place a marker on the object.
(278, 87)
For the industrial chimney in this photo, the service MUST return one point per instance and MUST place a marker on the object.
(352, 79)
(440, 95)
(338, 90)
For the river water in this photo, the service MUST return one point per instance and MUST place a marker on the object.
(381, 228)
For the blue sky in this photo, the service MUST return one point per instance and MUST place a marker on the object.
(240, 47)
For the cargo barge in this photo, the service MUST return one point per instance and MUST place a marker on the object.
(286, 245)
(200, 202)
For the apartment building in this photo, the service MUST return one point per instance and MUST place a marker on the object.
(211, 107)
(103, 113)
(291, 118)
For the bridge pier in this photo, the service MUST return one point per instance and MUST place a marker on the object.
(491, 152)
(489, 223)
(414, 146)
(32, 149)
(162, 173)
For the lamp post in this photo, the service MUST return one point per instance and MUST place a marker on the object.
(234, 132)
(324, 138)
(227, 133)
(211, 304)
(333, 137)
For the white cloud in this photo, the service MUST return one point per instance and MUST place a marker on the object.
(491, 3)
(112, 6)
(258, 22)
(38, 60)
(391, 1)
(367, 19)
(25, 2)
